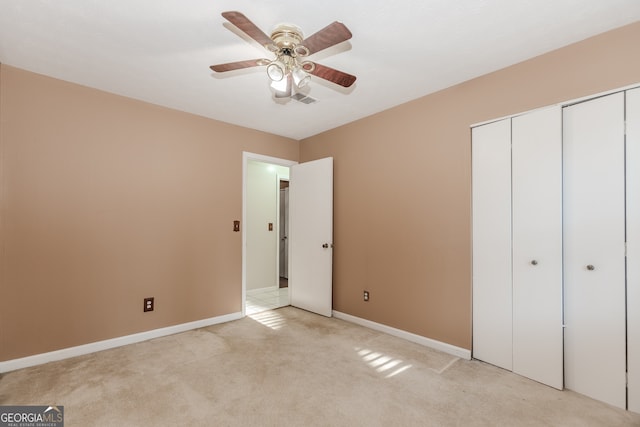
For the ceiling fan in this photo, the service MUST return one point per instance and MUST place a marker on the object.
(290, 71)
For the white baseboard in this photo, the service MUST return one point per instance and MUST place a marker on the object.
(418, 339)
(65, 353)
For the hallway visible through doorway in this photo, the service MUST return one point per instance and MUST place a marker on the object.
(265, 278)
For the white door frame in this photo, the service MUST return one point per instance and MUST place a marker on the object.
(246, 157)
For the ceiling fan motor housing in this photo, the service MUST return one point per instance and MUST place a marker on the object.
(287, 38)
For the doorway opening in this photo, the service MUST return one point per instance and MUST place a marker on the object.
(283, 231)
(265, 251)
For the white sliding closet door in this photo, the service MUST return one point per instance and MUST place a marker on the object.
(633, 248)
(594, 248)
(537, 245)
(491, 174)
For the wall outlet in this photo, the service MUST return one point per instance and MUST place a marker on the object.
(148, 304)
(366, 295)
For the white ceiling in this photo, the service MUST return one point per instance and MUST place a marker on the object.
(160, 51)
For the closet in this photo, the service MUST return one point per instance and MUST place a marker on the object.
(517, 244)
(556, 246)
(594, 241)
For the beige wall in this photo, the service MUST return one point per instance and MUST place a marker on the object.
(403, 184)
(106, 200)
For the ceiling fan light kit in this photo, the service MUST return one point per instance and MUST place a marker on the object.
(290, 71)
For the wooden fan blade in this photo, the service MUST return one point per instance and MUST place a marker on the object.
(248, 27)
(329, 36)
(230, 66)
(335, 76)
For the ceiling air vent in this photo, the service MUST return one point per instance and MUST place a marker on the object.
(303, 98)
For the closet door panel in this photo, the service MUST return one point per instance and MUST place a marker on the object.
(537, 245)
(633, 247)
(594, 236)
(491, 175)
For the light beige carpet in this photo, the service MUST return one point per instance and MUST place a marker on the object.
(289, 367)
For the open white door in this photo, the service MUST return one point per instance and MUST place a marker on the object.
(311, 235)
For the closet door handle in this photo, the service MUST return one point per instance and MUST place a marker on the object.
(590, 267)
(534, 262)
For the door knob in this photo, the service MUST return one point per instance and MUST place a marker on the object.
(590, 267)
(325, 245)
(534, 262)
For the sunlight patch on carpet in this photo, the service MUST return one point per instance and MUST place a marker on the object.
(270, 319)
(382, 363)
(445, 367)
